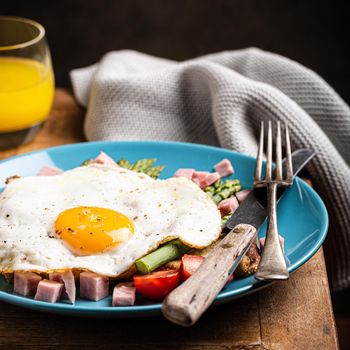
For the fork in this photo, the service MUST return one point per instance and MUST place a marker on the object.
(272, 264)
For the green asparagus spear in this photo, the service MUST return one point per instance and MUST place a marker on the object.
(223, 189)
(124, 163)
(183, 248)
(168, 252)
(86, 162)
(143, 165)
(155, 171)
(224, 220)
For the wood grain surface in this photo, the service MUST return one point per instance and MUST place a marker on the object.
(296, 314)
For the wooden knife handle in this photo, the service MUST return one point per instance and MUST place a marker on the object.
(187, 303)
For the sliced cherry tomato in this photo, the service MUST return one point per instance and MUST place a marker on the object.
(157, 285)
(189, 264)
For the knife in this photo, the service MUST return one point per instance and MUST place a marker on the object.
(187, 303)
(252, 210)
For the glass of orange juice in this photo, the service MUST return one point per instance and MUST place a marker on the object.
(26, 80)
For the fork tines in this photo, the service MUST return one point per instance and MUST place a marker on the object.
(278, 178)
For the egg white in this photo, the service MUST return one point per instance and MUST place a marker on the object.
(161, 210)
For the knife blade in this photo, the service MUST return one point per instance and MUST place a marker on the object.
(252, 210)
(187, 303)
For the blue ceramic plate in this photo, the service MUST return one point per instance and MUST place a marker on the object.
(303, 219)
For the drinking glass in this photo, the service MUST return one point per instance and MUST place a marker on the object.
(26, 80)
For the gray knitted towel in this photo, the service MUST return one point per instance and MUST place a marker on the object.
(220, 99)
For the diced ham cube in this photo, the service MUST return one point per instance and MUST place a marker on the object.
(49, 291)
(228, 205)
(93, 286)
(49, 171)
(103, 158)
(67, 278)
(224, 168)
(124, 294)
(26, 283)
(185, 172)
(204, 179)
(262, 242)
(199, 176)
(209, 180)
(242, 195)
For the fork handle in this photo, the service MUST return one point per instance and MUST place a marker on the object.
(186, 303)
(272, 265)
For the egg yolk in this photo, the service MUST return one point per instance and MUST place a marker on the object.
(91, 230)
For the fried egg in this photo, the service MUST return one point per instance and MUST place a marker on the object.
(100, 218)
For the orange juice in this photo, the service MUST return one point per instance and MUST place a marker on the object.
(26, 93)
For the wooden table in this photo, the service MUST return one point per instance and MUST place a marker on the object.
(296, 314)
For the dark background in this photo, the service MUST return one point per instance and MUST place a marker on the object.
(315, 33)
